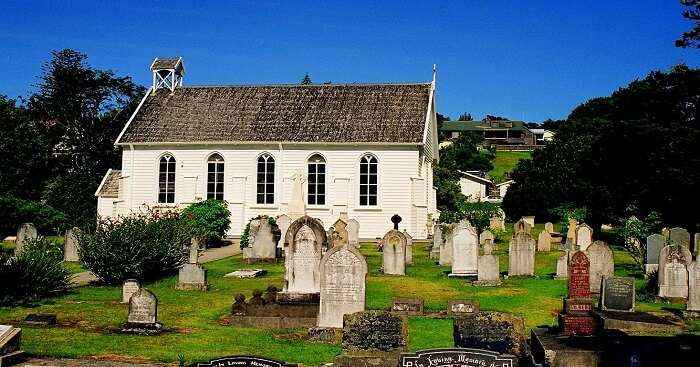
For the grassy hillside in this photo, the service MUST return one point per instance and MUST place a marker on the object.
(506, 162)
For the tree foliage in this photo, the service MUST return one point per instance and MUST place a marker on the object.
(306, 80)
(209, 219)
(691, 38)
(636, 147)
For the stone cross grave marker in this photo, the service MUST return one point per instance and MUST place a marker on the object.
(602, 264)
(465, 247)
(673, 273)
(70, 246)
(304, 242)
(343, 273)
(617, 294)
(283, 222)
(297, 204)
(394, 253)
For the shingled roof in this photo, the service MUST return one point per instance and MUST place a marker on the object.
(376, 113)
(109, 188)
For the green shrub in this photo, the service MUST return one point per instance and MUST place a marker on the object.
(140, 246)
(15, 211)
(209, 219)
(479, 214)
(34, 273)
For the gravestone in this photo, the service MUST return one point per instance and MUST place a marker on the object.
(143, 313)
(331, 235)
(340, 227)
(693, 304)
(283, 222)
(696, 243)
(40, 319)
(602, 264)
(673, 273)
(563, 266)
(353, 232)
(372, 338)
(297, 204)
(343, 272)
(461, 307)
(10, 346)
(394, 253)
(70, 246)
(521, 255)
(522, 226)
(437, 242)
(465, 250)
(584, 236)
(26, 233)
(655, 243)
(304, 242)
(409, 248)
(679, 236)
(408, 306)
(261, 240)
(617, 294)
(446, 246)
(129, 287)
(549, 227)
(577, 319)
(486, 235)
(488, 268)
(498, 222)
(457, 357)
(530, 219)
(192, 275)
(571, 233)
(544, 241)
(498, 332)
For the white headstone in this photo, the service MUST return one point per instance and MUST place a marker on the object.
(549, 227)
(297, 204)
(26, 233)
(530, 219)
(465, 247)
(128, 289)
(694, 285)
(486, 235)
(673, 273)
(353, 232)
(601, 264)
(655, 243)
(488, 267)
(394, 253)
(409, 248)
(70, 246)
(343, 272)
(261, 240)
(563, 266)
(143, 307)
(304, 242)
(283, 222)
(521, 255)
(584, 236)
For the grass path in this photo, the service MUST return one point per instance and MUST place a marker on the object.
(88, 315)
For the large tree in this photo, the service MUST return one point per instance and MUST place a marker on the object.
(691, 38)
(80, 110)
(637, 148)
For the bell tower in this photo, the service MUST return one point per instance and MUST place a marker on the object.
(167, 73)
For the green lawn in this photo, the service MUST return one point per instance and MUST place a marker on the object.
(88, 316)
(505, 162)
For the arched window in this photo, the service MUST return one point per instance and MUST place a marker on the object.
(215, 177)
(368, 180)
(316, 183)
(266, 179)
(166, 179)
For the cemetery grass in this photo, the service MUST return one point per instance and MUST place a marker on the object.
(505, 162)
(89, 316)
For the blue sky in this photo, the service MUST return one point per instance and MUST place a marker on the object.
(521, 59)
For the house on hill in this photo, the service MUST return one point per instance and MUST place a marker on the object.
(362, 149)
(495, 132)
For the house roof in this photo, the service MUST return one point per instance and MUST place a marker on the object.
(361, 113)
(109, 187)
(483, 125)
(475, 178)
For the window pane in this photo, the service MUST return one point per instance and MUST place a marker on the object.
(373, 190)
(312, 199)
(372, 200)
(321, 168)
(261, 188)
(363, 200)
(363, 168)
(161, 197)
(270, 188)
(270, 198)
(312, 169)
(321, 189)
(210, 187)
(373, 179)
(220, 187)
(372, 168)
(363, 189)
(312, 189)
(171, 198)
(260, 199)
(321, 200)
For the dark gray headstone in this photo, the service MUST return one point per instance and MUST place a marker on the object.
(493, 331)
(617, 294)
(379, 331)
(40, 319)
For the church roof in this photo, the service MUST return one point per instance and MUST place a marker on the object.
(361, 113)
(109, 187)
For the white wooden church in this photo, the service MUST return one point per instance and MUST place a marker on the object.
(362, 149)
